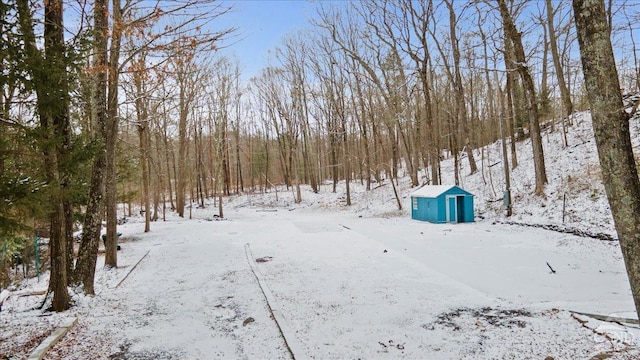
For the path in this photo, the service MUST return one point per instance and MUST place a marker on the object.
(190, 297)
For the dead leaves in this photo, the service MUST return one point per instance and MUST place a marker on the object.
(390, 345)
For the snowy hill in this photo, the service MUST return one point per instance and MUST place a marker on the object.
(575, 183)
(575, 180)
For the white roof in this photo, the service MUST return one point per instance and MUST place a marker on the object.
(431, 191)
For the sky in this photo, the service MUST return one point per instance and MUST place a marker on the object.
(261, 26)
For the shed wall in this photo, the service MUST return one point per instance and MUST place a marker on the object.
(435, 209)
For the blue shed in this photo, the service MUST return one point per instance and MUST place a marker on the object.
(442, 204)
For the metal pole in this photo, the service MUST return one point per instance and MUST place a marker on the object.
(37, 255)
(564, 205)
(4, 250)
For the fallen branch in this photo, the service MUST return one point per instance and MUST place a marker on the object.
(131, 270)
(564, 230)
(552, 271)
(613, 319)
(22, 294)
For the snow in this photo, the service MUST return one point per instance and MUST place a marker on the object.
(431, 191)
(363, 281)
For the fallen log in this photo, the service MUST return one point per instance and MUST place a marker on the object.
(608, 318)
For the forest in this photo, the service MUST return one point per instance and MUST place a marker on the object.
(108, 107)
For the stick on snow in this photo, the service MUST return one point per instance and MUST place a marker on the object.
(552, 271)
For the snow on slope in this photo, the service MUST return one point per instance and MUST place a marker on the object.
(573, 173)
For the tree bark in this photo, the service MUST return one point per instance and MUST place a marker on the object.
(181, 181)
(142, 114)
(111, 254)
(611, 130)
(49, 80)
(510, 106)
(92, 225)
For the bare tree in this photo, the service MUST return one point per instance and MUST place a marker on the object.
(532, 104)
(186, 75)
(141, 94)
(382, 19)
(381, 64)
(456, 78)
(557, 63)
(418, 19)
(293, 57)
(127, 19)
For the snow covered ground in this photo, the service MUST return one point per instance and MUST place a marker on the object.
(350, 287)
(359, 282)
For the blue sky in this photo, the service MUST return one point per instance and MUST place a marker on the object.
(261, 25)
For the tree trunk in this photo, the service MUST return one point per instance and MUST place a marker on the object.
(111, 255)
(505, 157)
(143, 133)
(54, 109)
(169, 158)
(142, 118)
(92, 224)
(181, 181)
(160, 184)
(532, 105)
(333, 143)
(510, 114)
(49, 81)
(345, 157)
(564, 90)
(611, 130)
(226, 157)
(361, 118)
(461, 108)
(239, 180)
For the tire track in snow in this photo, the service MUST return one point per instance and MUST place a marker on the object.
(293, 345)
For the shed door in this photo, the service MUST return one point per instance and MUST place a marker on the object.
(455, 208)
(460, 209)
(452, 209)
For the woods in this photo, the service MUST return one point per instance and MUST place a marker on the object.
(139, 109)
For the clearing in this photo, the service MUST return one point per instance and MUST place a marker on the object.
(349, 287)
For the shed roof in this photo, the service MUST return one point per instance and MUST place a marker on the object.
(432, 191)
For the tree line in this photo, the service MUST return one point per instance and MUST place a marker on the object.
(132, 104)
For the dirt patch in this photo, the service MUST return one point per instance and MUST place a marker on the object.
(20, 343)
(484, 317)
